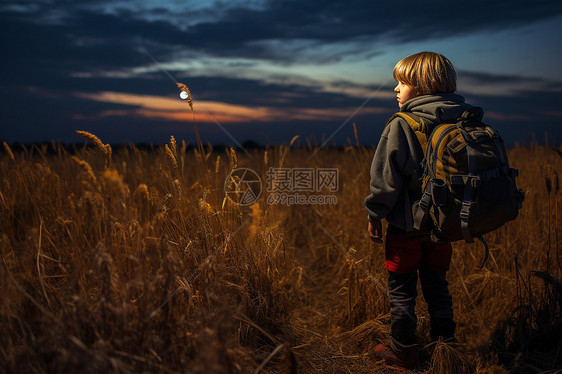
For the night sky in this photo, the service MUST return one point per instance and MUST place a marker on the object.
(266, 70)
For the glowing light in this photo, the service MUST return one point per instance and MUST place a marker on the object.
(184, 95)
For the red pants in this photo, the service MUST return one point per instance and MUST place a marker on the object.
(406, 255)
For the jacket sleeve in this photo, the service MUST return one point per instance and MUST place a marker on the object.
(387, 177)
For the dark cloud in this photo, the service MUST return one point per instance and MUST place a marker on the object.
(45, 44)
(489, 78)
(82, 34)
(80, 41)
(250, 31)
(332, 21)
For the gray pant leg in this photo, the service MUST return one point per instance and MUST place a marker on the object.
(402, 293)
(435, 290)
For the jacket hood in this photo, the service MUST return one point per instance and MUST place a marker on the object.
(437, 108)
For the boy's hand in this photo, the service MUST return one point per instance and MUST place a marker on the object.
(375, 230)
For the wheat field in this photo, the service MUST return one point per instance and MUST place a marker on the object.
(133, 260)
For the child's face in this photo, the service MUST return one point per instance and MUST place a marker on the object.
(404, 93)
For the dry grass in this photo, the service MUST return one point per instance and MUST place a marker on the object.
(447, 359)
(136, 262)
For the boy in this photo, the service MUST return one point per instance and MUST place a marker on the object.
(426, 86)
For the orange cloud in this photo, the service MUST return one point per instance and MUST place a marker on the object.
(172, 109)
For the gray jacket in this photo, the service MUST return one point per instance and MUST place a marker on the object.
(396, 167)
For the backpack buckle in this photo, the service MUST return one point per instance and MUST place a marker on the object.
(475, 181)
(438, 191)
(493, 133)
(465, 211)
(425, 201)
(466, 136)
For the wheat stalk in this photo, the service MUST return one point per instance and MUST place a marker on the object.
(183, 87)
(94, 139)
(355, 134)
(9, 151)
(86, 168)
(233, 159)
(217, 164)
(171, 157)
(173, 145)
(105, 148)
(108, 152)
(285, 150)
(177, 186)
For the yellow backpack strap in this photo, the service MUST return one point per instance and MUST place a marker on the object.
(416, 123)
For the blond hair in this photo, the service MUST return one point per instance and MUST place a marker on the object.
(427, 73)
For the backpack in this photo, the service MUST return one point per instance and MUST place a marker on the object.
(468, 188)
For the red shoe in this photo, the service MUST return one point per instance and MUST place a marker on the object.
(403, 360)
